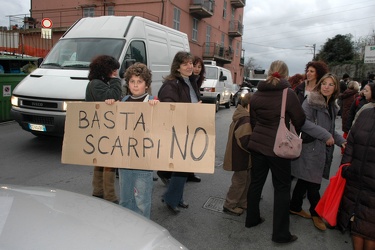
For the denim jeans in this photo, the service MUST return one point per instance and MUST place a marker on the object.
(136, 190)
(175, 191)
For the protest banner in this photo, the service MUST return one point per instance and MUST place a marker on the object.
(176, 137)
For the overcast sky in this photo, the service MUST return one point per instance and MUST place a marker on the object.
(280, 30)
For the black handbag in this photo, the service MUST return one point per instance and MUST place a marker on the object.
(306, 138)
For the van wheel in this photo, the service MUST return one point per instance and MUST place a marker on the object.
(217, 104)
(227, 105)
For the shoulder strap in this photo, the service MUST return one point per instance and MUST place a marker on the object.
(283, 102)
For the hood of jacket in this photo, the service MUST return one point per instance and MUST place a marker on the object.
(267, 86)
(317, 100)
(239, 113)
(348, 93)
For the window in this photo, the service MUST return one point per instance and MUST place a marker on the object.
(89, 12)
(195, 30)
(136, 52)
(238, 49)
(208, 39)
(222, 39)
(225, 9)
(176, 18)
(110, 10)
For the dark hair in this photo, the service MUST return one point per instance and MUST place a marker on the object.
(345, 76)
(200, 79)
(372, 87)
(295, 80)
(336, 92)
(102, 67)
(371, 76)
(180, 58)
(141, 70)
(320, 67)
(246, 99)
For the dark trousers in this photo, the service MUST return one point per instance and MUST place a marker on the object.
(299, 191)
(281, 174)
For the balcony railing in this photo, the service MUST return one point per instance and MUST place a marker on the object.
(238, 3)
(216, 52)
(235, 28)
(202, 8)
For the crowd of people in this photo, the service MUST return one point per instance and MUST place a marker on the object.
(314, 101)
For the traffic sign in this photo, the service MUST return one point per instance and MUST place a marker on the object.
(46, 23)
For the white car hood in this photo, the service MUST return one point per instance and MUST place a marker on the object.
(40, 218)
(54, 84)
(209, 83)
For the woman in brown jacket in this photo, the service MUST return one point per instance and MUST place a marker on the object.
(265, 107)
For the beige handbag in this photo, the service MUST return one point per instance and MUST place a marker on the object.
(287, 143)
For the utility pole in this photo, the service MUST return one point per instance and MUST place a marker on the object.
(312, 46)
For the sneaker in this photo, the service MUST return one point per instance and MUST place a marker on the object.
(233, 211)
(319, 223)
(301, 213)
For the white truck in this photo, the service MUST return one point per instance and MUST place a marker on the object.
(217, 86)
(39, 101)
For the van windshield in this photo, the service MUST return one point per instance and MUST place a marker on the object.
(211, 73)
(78, 52)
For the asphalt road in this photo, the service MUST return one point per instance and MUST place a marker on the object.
(28, 160)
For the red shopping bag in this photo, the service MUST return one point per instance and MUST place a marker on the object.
(328, 205)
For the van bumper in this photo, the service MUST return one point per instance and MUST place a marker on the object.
(208, 97)
(52, 122)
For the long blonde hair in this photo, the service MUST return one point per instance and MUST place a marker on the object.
(278, 70)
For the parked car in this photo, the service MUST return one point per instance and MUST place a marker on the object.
(42, 218)
(234, 97)
(241, 93)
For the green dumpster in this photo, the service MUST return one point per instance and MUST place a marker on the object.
(12, 70)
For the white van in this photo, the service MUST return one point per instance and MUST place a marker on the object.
(217, 86)
(39, 101)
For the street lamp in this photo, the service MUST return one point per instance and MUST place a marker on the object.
(312, 46)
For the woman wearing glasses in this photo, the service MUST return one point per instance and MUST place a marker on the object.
(316, 156)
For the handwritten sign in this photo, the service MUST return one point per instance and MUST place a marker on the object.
(176, 137)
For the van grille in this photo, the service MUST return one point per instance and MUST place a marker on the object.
(39, 104)
(39, 119)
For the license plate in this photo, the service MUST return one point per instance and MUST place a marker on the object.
(37, 127)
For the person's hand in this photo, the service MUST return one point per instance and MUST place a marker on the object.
(343, 145)
(200, 102)
(110, 101)
(330, 141)
(153, 102)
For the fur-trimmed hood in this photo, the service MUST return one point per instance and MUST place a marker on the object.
(317, 100)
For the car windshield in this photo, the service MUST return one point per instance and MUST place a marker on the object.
(78, 53)
(211, 73)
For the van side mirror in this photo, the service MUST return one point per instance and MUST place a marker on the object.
(223, 78)
(125, 65)
(39, 61)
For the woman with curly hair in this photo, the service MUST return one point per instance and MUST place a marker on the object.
(314, 71)
(104, 84)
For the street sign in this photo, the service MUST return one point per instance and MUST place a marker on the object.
(370, 54)
(46, 23)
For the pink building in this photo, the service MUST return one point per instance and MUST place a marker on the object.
(214, 28)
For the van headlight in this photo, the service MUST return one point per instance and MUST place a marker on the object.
(14, 101)
(65, 105)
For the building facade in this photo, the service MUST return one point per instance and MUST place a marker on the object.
(214, 28)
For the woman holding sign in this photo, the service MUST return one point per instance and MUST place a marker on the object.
(104, 84)
(179, 86)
